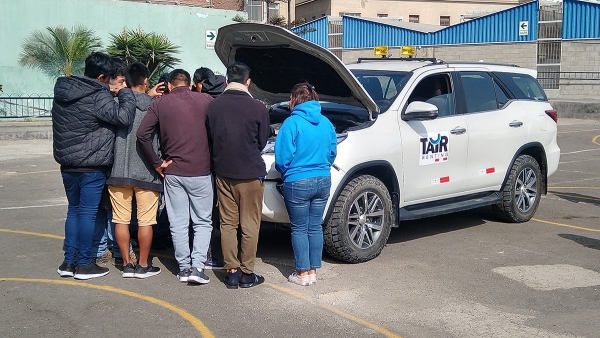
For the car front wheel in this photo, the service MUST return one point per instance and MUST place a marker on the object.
(522, 192)
(361, 221)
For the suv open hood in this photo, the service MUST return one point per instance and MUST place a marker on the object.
(279, 59)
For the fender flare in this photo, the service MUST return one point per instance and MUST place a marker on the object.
(352, 172)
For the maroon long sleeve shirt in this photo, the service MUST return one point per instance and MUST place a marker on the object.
(180, 118)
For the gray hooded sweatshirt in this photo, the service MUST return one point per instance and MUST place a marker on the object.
(131, 167)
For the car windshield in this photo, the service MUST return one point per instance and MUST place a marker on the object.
(382, 85)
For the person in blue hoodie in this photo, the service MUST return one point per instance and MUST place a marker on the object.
(305, 149)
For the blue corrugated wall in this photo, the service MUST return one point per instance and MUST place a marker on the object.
(320, 33)
(498, 27)
(581, 20)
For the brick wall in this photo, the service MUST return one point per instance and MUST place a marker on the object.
(580, 56)
(521, 54)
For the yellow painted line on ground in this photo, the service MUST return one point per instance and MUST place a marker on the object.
(565, 225)
(31, 172)
(337, 311)
(204, 331)
(575, 131)
(32, 233)
(595, 140)
(576, 197)
(291, 292)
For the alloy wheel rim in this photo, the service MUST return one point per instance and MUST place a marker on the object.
(526, 190)
(365, 219)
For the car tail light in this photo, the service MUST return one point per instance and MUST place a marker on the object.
(553, 114)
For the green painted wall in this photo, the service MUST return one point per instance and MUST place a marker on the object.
(184, 26)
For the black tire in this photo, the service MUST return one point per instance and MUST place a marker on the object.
(351, 235)
(522, 192)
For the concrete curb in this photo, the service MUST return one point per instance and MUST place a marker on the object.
(574, 109)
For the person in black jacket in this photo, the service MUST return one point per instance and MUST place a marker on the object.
(205, 81)
(84, 116)
(239, 128)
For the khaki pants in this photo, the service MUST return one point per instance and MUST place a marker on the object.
(240, 207)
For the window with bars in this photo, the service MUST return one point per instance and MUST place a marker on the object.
(444, 20)
(550, 30)
(254, 9)
(413, 18)
(273, 10)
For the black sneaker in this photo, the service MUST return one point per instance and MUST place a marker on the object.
(198, 276)
(128, 271)
(149, 271)
(66, 269)
(183, 275)
(90, 271)
(232, 279)
(250, 280)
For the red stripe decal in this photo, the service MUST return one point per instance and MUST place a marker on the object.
(490, 170)
(445, 179)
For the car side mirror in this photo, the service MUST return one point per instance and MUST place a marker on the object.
(419, 110)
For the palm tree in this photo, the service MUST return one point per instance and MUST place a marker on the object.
(151, 49)
(59, 51)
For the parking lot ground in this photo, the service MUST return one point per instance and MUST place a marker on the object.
(461, 275)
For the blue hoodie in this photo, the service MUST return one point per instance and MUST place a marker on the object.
(306, 144)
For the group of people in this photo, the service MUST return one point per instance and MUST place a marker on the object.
(141, 143)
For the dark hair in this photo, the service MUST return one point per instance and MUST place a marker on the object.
(97, 64)
(238, 72)
(202, 74)
(301, 93)
(136, 74)
(119, 67)
(178, 77)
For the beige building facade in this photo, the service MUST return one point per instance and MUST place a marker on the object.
(436, 12)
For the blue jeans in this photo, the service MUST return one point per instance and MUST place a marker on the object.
(305, 202)
(104, 235)
(83, 190)
(190, 198)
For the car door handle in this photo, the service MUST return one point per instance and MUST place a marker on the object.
(458, 131)
(515, 124)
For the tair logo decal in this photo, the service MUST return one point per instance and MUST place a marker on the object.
(434, 148)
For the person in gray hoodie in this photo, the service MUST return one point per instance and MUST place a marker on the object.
(134, 177)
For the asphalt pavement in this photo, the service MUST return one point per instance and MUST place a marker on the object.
(462, 275)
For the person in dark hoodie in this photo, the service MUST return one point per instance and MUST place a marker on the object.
(84, 117)
(305, 149)
(205, 81)
(133, 176)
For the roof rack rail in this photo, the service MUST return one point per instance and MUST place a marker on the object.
(432, 60)
(484, 63)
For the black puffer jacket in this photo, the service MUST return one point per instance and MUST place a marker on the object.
(84, 116)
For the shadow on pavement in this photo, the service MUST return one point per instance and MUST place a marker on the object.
(577, 198)
(588, 242)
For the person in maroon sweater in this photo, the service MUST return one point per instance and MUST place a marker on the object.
(239, 127)
(180, 118)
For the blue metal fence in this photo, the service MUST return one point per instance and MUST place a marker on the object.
(581, 20)
(315, 31)
(25, 106)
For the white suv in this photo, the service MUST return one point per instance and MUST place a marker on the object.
(416, 137)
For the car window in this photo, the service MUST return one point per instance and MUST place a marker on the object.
(382, 86)
(500, 95)
(437, 90)
(480, 94)
(522, 86)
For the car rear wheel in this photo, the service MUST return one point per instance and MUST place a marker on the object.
(522, 192)
(361, 221)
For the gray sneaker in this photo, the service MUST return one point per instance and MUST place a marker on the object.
(128, 271)
(184, 275)
(198, 276)
(141, 272)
